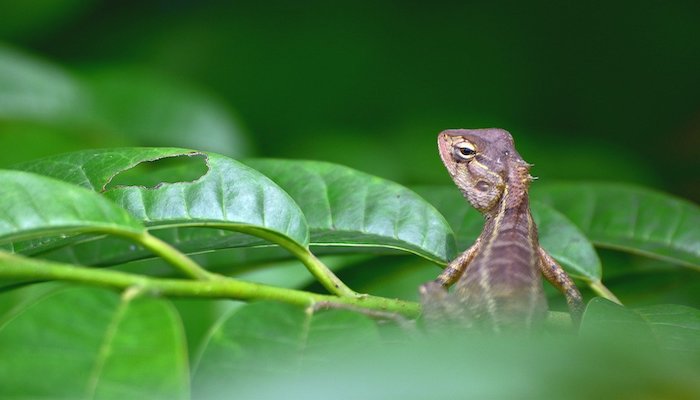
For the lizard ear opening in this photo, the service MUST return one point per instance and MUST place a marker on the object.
(464, 150)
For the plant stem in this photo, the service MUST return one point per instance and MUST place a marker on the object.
(324, 275)
(13, 266)
(318, 269)
(173, 256)
(602, 291)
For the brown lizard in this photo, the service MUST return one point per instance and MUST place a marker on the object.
(498, 283)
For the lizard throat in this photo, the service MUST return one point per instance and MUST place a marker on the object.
(515, 193)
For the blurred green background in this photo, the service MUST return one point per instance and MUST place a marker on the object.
(590, 90)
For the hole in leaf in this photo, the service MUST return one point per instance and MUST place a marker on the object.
(151, 174)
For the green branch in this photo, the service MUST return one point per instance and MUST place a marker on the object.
(319, 270)
(13, 266)
(173, 256)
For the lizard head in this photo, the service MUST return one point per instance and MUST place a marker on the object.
(481, 162)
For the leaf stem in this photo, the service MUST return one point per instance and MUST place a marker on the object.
(318, 269)
(324, 275)
(12, 266)
(173, 256)
(602, 291)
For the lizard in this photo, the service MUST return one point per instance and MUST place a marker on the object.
(497, 280)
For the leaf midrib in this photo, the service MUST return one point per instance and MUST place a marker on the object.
(105, 349)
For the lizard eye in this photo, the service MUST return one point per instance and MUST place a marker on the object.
(465, 150)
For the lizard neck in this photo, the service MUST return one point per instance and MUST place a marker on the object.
(504, 280)
(513, 208)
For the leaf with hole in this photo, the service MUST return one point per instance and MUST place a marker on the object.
(347, 210)
(228, 196)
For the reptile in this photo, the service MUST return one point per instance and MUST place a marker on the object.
(498, 284)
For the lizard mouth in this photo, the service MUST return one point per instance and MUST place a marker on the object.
(445, 148)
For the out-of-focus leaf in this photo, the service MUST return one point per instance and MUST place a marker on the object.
(669, 326)
(607, 319)
(250, 357)
(34, 90)
(271, 338)
(28, 140)
(630, 218)
(110, 107)
(345, 207)
(155, 111)
(13, 300)
(90, 343)
(198, 317)
(676, 327)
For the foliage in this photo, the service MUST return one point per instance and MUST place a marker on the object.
(178, 273)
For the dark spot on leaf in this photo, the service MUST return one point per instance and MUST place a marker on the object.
(186, 167)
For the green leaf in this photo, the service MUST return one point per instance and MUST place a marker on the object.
(669, 326)
(643, 281)
(33, 206)
(90, 343)
(472, 365)
(605, 318)
(565, 242)
(199, 316)
(677, 327)
(481, 367)
(18, 298)
(229, 196)
(561, 238)
(395, 217)
(466, 222)
(345, 207)
(272, 338)
(630, 218)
